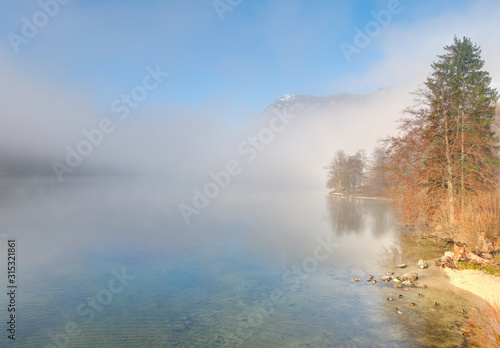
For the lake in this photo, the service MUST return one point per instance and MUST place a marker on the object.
(106, 262)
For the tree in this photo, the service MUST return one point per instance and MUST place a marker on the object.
(376, 168)
(345, 173)
(446, 147)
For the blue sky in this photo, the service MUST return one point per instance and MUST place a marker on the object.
(261, 50)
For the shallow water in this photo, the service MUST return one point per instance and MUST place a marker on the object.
(252, 270)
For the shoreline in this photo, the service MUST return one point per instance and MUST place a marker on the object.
(358, 197)
(476, 282)
(479, 283)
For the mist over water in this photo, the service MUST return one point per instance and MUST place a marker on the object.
(209, 283)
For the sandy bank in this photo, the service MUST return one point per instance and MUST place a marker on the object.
(479, 283)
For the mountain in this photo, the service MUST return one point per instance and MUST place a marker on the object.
(293, 104)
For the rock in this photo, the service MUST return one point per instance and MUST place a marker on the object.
(356, 279)
(449, 254)
(422, 286)
(408, 283)
(397, 285)
(422, 264)
(386, 278)
(396, 280)
(403, 265)
(446, 261)
(411, 276)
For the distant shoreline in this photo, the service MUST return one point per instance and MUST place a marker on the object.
(359, 197)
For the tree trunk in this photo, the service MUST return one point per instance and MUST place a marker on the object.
(462, 253)
(449, 177)
(462, 159)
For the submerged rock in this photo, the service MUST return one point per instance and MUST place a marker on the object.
(403, 265)
(422, 264)
(411, 276)
(408, 283)
(386, 278)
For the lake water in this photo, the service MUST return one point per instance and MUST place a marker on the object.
(111, 263)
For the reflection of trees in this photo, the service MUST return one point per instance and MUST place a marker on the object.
(345, 215)
(352, 215)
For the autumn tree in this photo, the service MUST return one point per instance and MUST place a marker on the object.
(345, 172)
(446, 147)
(376, 175)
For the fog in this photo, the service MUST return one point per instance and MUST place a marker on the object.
(180, 144)
(177, 144)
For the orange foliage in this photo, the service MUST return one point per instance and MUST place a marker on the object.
(484, 328)
(481, 213)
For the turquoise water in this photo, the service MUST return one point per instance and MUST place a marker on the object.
(111, 263)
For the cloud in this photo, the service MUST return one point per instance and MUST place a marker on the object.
(409, 49)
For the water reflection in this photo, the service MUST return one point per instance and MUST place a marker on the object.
(363, 226)
(350, 215)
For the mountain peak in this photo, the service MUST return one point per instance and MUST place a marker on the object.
(292, 103)
(287, 97)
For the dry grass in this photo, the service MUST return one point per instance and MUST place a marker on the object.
(484, 328)
(481, 213)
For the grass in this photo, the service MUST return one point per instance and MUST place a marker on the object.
(481, 212)
(487, 268)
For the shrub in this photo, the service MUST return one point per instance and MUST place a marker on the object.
(485, 327)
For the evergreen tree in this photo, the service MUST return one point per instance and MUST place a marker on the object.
(446, 149)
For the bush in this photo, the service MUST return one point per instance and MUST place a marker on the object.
(484, 328)
(480, 213)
